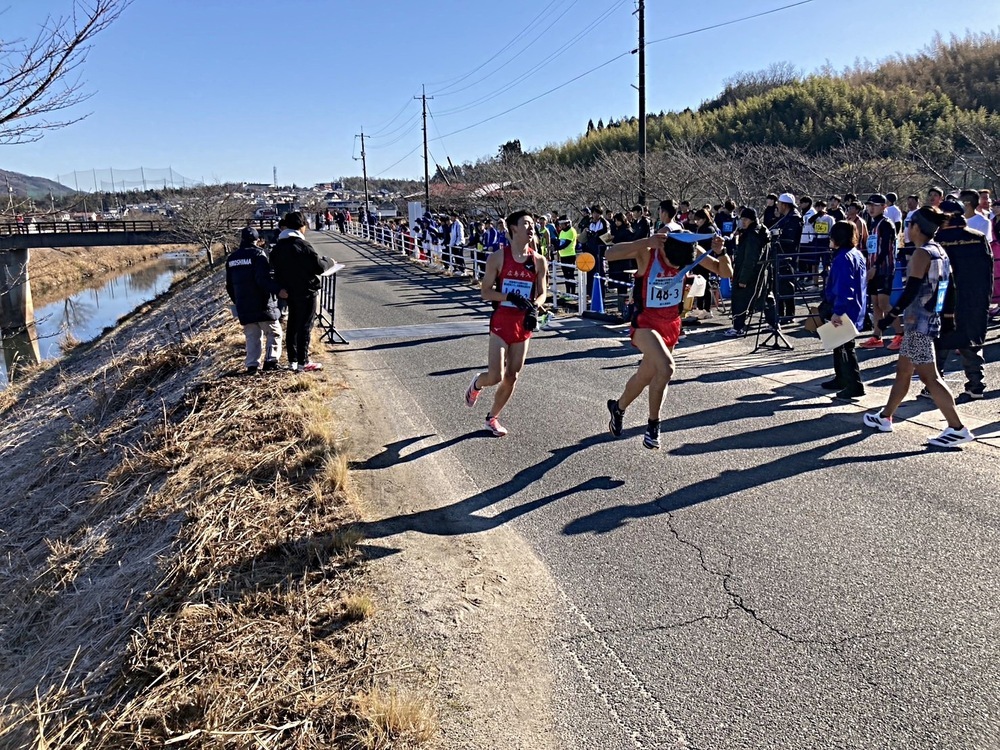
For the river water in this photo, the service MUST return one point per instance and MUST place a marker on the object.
(87, 312)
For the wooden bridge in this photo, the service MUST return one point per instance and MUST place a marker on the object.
(24, 236)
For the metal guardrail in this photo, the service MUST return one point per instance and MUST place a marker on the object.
(13, 228)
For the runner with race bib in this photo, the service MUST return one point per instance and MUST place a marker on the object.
(515, 282)
(663, 262)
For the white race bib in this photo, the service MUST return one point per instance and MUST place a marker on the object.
(664, 291)
(873, 244)
(521, 286)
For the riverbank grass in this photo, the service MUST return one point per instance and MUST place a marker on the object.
(179, 564)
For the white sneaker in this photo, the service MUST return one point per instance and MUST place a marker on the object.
(952, 438)
(733, 333)
(294, 367)
(876, 420)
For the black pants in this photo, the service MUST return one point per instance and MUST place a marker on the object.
(742, 301)
(846, 369)
(568, 265)
(301, 315)
(972, 364)
(458, 259)
(704, 302)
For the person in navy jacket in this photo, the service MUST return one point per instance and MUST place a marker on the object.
(252, 288)
(845, 299)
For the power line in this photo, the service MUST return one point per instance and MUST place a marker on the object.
(729, 23)
(396, 130)
(515, 38)
(399, 137)
(536, 98)
(405, 156)
(618, 57)
(394, 118)
(566, 46)
(537, 36)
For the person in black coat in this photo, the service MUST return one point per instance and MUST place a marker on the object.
(972, 275)
(297, 269)
(251, 286)
(621, 271)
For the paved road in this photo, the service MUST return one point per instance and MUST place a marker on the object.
(776, 577)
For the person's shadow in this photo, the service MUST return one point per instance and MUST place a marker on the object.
(835, 431)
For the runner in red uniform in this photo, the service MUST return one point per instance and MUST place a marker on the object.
(515, 282)
(657, 325)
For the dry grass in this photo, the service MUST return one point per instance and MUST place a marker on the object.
(391, 716)
(358, 607)
(178, 565)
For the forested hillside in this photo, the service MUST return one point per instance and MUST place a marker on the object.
(928, 99)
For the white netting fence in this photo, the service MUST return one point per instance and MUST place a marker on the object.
(113, 180)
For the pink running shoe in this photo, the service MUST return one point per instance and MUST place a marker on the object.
(472, 393)
(494, 426)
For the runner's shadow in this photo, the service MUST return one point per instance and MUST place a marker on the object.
(729, 483)
(463, 517)
(392, 454)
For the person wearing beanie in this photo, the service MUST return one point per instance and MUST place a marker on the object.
(253, 290)
(748, 269)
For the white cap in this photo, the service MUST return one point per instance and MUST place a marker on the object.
(787, 198)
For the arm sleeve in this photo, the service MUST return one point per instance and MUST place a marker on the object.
(229, 284)
(910, 292)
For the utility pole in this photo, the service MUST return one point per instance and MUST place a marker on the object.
(274, 171)
(427, 178)
(364, 172)
(642, 102)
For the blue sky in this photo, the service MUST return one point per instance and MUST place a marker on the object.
(223, 90)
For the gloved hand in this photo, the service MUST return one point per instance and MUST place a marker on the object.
(519, 302)
(886, 323)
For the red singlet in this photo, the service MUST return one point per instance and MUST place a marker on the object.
(507, 321)
(659, 304)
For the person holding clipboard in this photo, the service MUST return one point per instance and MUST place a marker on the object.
(845, 302)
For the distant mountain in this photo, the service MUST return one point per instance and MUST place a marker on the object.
(26, 186)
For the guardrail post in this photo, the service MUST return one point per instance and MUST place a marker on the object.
(581, 292)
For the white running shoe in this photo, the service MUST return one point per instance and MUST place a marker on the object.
(494, 426)
(733, 333)
(294, 367)
(472, 393)
(952, 438)
(877, 421)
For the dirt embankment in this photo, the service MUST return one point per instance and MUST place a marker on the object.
(54, 270)
(177, 560)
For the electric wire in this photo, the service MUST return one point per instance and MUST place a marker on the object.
(613, 59)
(567, 46)
(395, 130)
(539, 35)
(395, 117)
(515, 38)
(397, 139)
(728, 23)
(395, 163)
(536, 98)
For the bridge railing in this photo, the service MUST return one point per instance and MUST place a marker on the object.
(114, 225)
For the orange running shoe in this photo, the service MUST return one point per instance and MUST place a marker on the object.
(875, 342)
(897, 342)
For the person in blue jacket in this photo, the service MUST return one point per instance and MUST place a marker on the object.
(253, 290)
(845, 299)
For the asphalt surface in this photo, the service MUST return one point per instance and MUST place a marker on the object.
(778, 576)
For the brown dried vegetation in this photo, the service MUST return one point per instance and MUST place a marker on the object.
(177, 562)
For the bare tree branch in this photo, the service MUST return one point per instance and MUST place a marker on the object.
(37, 77)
